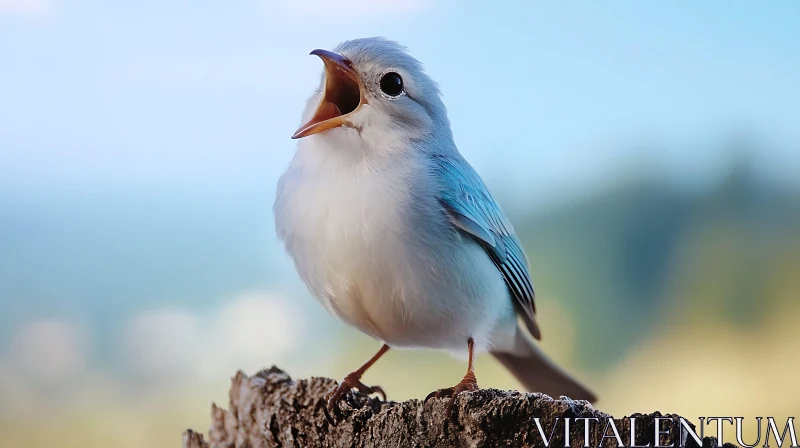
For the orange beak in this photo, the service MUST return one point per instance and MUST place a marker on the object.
(343, 95)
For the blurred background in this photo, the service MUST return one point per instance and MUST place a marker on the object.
(647, 153)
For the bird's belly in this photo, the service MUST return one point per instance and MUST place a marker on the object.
(407, 295)
(427, 288)
(409, 301)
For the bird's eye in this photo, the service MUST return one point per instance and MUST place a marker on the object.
(392, 84)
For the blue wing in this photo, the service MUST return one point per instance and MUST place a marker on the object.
(472, 209)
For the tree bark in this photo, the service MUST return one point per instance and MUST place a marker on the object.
(272, 410)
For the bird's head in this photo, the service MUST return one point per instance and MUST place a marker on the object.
(373, 90)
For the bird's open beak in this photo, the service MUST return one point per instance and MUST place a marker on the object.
(343, 95)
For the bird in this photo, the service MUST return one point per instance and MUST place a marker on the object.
(395, 233)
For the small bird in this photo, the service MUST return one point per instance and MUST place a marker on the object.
(396, 234)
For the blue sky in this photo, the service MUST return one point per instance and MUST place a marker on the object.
(551, 96)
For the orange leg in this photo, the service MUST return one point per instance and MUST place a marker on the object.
(353, 381)
(467, 384)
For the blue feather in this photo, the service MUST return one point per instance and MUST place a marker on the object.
(472, 209)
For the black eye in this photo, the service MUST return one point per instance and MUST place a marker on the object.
(392, 84)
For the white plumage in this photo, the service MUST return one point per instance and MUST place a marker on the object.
(391, 229)
(379, 254)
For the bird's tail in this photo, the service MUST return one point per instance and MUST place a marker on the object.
(538, 373)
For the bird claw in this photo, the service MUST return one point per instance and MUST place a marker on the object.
(323, 405)
(468, 384)
(574, 407)
(351, 381)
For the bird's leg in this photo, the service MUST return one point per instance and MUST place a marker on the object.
(467, 384)
(353, 381)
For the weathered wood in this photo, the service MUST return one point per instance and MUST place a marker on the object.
(272, 410)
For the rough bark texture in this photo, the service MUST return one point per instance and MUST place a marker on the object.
(272, 410)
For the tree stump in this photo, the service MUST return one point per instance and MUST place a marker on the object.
(272, 410)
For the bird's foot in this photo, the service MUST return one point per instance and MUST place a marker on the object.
(351, 381)
(468, 384)
(574, 408)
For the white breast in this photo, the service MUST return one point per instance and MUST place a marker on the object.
(378, 253)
